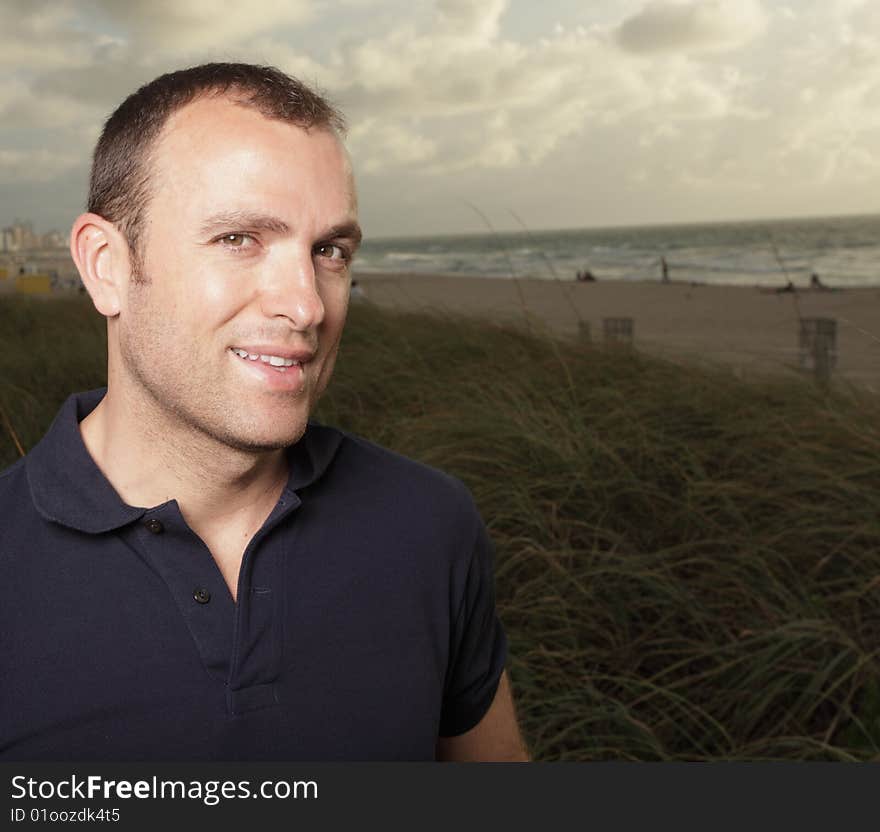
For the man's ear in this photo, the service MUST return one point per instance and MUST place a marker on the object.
(101, 255)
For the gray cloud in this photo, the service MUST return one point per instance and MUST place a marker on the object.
(40, 165)
(100, 85)
(42, 34)
(471, 18)
(171, 25)
(692, 25)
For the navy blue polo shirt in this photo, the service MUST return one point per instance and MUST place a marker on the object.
(365, 624)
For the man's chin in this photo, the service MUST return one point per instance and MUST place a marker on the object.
(264, 438)
(266, 443)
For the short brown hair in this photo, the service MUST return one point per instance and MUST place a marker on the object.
(119, 187)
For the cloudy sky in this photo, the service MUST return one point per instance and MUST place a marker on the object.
(570, 113)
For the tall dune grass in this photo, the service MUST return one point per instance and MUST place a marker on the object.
(687, 565)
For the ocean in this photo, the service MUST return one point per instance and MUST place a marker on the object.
(843, 251)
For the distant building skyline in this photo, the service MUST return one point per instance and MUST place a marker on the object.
(20, 236)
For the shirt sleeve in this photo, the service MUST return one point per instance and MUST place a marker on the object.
(479, 644)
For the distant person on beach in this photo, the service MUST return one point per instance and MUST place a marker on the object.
(357, 291)
(789, 287)
(191, 568)
(665, 270)
(586, 276)
(815, 283)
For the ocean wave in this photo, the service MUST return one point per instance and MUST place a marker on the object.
(843, 251)
(395, 256)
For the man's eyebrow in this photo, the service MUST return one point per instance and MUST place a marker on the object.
(345, 231)
(242, 220)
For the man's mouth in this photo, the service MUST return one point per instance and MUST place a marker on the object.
(278, 362)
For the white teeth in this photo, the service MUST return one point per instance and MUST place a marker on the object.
(272, 360)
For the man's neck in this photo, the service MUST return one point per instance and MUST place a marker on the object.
(150, 459)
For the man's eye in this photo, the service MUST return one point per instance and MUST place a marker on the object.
(235, 240)
(331, 252)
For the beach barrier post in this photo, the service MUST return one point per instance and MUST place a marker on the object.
(817, 339)
(618, 330)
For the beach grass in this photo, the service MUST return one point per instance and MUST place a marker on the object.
(687, 563)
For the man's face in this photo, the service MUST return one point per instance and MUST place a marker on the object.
(246, 251)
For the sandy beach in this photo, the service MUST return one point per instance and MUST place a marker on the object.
(753, 329)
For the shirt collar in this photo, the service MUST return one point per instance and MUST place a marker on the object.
(67, 487)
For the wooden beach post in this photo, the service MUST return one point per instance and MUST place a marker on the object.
(817, 340)
(618, 331)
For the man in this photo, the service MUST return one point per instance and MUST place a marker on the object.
(189, 568)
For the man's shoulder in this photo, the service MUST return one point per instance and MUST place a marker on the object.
(13, 478)
(383, 465)
(407, 499)
(15, 498)
(379, 474)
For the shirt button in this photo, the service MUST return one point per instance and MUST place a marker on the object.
(202, 596)
(155, 526)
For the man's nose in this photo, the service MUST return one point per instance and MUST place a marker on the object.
(291, 290)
